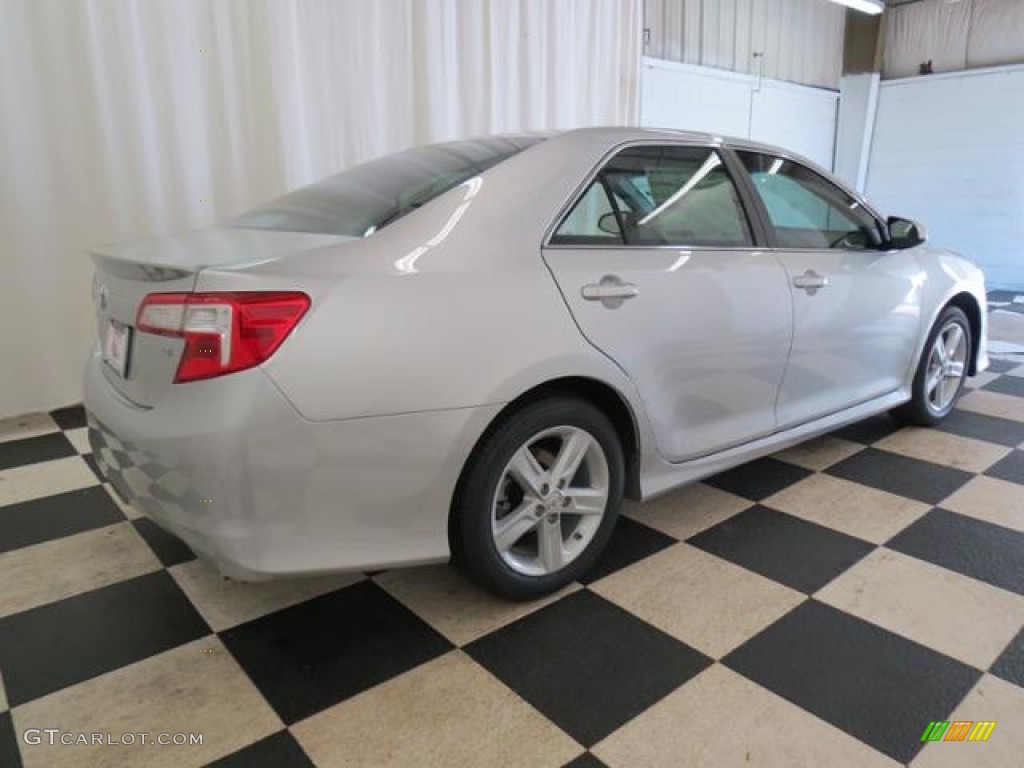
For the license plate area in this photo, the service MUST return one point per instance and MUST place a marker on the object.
(116, 343)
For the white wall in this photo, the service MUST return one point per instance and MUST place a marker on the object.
(799, 40)
(799, 118)
(858, 100)
(122, 119)
(949, 150)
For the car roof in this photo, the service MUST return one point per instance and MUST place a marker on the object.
(617, 134)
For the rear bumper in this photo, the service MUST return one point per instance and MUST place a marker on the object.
(231, 468)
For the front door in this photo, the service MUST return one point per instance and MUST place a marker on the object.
(657, 262)
(856, 305)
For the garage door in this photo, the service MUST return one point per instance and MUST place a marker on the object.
(949, 150)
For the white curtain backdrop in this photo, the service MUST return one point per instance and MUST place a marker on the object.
(963, 35)
(123, 119)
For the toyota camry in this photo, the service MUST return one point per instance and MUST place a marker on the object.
(473, 351)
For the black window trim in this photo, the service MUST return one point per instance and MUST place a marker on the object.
(742, 185)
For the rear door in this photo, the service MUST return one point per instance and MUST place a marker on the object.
(856, 305)
(658, 262)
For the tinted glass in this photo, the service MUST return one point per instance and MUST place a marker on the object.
(807, 210)
(592, 221)
(365, 198)
(668, 195)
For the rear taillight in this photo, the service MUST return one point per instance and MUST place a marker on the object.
(223, 332)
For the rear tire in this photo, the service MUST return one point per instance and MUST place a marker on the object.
(539, 498)
(941, 371)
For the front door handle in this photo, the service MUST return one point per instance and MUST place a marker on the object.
(611, 291)
(810, 281)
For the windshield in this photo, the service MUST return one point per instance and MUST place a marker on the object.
(361, 200)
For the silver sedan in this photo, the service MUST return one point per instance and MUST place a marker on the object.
(474, 350)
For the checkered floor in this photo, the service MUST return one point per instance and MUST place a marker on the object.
(815, 608)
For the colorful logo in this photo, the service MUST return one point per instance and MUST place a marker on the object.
(959, 730)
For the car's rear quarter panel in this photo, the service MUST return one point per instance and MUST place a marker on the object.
(232, 468)
(344, 449)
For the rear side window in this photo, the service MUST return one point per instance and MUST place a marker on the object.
(659, 195)
(361, 200)
(592, 221)
(806, 210)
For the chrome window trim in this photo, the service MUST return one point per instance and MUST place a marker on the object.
(721, 146)
(695, 248)
(761, 249)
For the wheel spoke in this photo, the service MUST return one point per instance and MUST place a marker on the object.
(933, 381)
(527, 471)
(952, 346)
(549, 546)
(947, 389)
(956, 371)
(515, 525)
(586, 501)
(570, 455)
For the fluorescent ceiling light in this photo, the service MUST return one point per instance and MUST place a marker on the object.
(874, 7)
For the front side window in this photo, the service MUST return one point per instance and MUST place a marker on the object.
(806, 210)
(659, 195)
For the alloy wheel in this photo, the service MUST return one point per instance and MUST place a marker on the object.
(550, 500)
(947, 366)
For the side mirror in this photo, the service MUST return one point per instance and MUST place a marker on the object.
(904, 233)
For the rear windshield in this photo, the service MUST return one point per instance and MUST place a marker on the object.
(361, 200)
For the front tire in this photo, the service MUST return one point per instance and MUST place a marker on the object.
(539, 498)
(941, 372)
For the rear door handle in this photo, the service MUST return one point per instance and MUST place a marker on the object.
(610, 291)
(810, 281)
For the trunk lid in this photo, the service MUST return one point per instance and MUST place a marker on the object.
(127, 273)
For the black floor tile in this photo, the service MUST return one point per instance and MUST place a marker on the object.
(168, 548)
(797, 553)
(981, 427)
(758, 479)
(586, 664)
(51, 647)
(313, 655)
(280, 750)
(89, 459)
(1010, 664)
(972, 547)
(631, 541)
(902, 475)
(870, 430)
(10, 757)
(876, 686)
(31, 450)
(1010, 467)
(996, 365)
(53, 517)
(586, 760)
(71, 417)
(124, 499)
(1001, 296)
(1007, 385)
